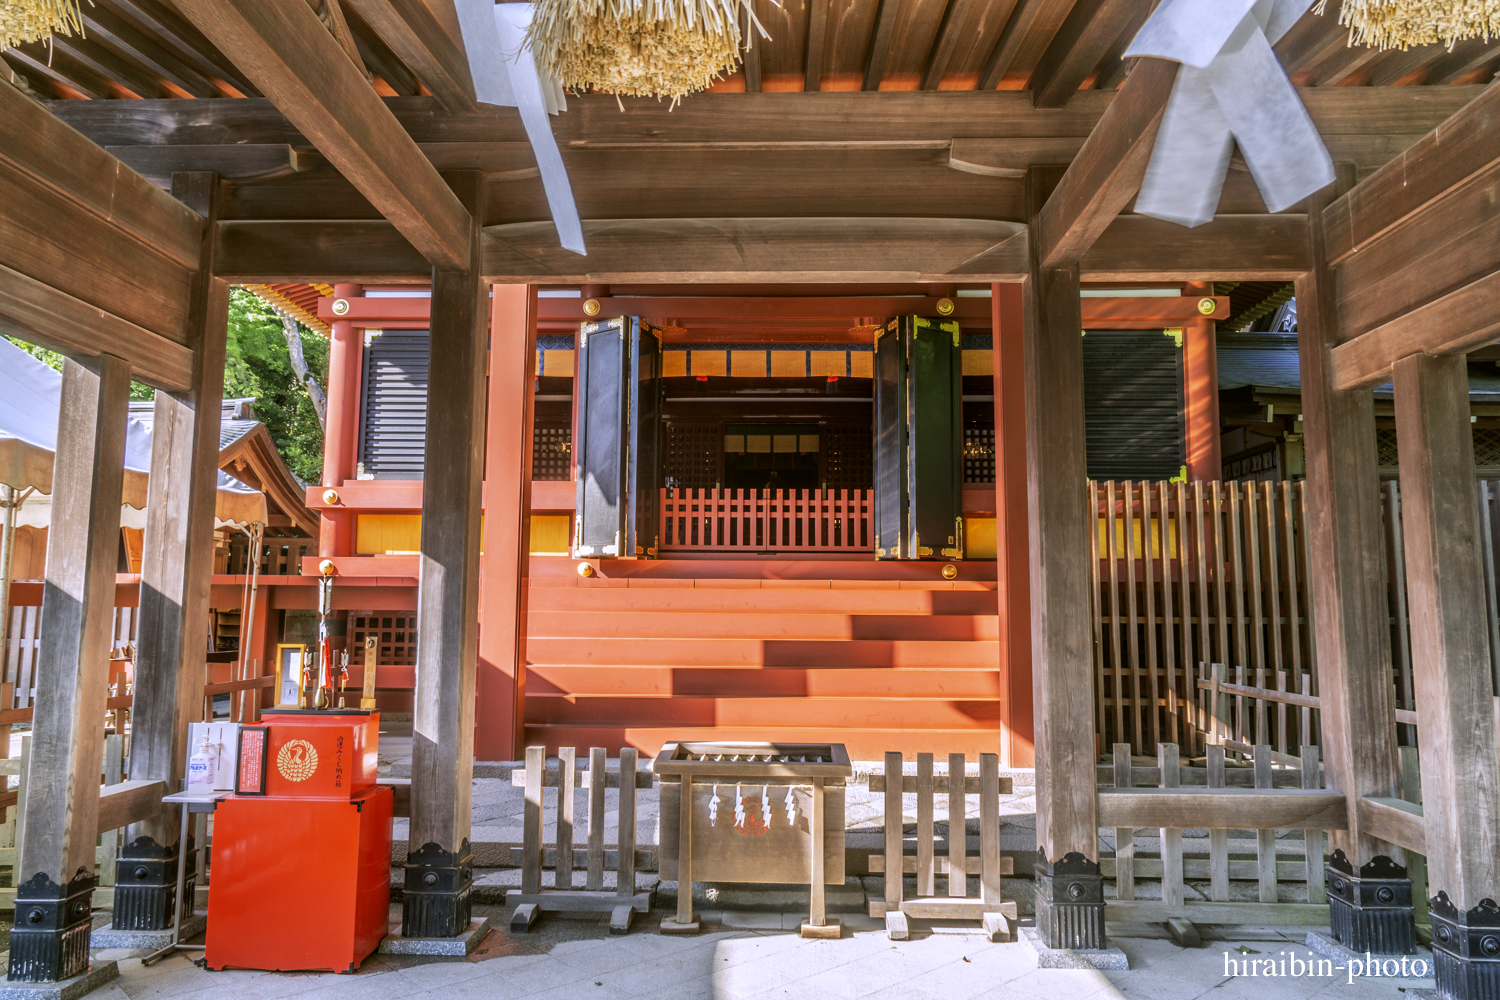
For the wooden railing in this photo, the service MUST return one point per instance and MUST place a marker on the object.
(1193, 574)
(766, 521)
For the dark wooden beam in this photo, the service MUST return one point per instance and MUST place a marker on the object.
(176, 569)
(1091, 29)
(159, 163)
(38, 313)
(880, 43)
(1398, 64)
(1451, 671)
(1343, 63)
(60, 69)
(1029, 19)
(1060, 528)
(1345, 536)
(111, 65)
(378, 57)
(1457, 323)
(284, 48)
(1300, 50)
(60, 828)
(1229, 248)
(760, 120)
(1466, 57)
(817, 36)
(52, 154)
(415, 35)
(1132, 248)
(955, 17)
(161, 19)
(448, 600)
(1107, 172)
(107, 24)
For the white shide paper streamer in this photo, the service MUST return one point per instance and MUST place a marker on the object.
(1230, 90)
(505, 74)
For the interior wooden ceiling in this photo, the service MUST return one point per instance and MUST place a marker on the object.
(146, 49)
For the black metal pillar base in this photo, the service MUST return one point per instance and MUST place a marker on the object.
(436, 898)
(1466, 949)
(1070, 902)
(50, 939)
(145, 878)
(1370, 910)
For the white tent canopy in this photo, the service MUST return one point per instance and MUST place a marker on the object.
(30, 397)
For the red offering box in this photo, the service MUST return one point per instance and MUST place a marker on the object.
(299, 884)
(313, 755)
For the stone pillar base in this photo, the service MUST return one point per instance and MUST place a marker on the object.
(1466, 950)
(1370, 910)
(437, 893)
(1070, 903)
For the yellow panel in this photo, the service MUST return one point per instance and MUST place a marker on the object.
(549, 534)
(758, 444)
(710, 362)
(979, 538)
(383, 534)
(557, 364)
(674, 364)
(788, 364)
(734, 444)
(862, 364)
(784, 444)
(747, 364)
(979, 363)
(807, 442)
(830, 363)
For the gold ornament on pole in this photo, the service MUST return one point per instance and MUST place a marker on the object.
(31, 20)
(1402, 24)
(638, 48)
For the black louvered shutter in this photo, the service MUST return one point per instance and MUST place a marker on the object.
(393, 425)
(1132, 404)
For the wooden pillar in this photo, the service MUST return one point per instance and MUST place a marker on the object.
(1451, 671)
(176, 571)
(1070, 889)
(1012, 558)
(439, 865)
(1345, 536)
(1200, 367)
(340, 439)
(55, 873)
(505, 565)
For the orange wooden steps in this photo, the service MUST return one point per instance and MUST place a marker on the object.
(887, 663)
(756, 682)
(747, 625)
(778, 600)
(764, 652)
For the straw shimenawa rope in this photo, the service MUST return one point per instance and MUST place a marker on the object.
(30, 20)
(639, 48)
(1401, 24)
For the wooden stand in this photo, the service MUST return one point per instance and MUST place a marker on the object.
(532, 901)
(992, 912)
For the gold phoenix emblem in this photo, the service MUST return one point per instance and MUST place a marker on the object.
(297, 760)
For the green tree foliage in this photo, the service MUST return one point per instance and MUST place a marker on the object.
(260, 365)
(54, 360)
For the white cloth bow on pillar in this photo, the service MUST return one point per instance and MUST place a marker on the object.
(1231, 89)
(505, 73)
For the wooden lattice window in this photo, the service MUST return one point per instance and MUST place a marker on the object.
(396, 632)
(551, 451)
(694, 455)
(1486, 447)
(1386, 451)
(979, 454)
(848, 457)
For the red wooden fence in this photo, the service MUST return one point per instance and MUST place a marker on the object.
(766, 521)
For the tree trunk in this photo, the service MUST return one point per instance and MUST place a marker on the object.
(299, 365)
